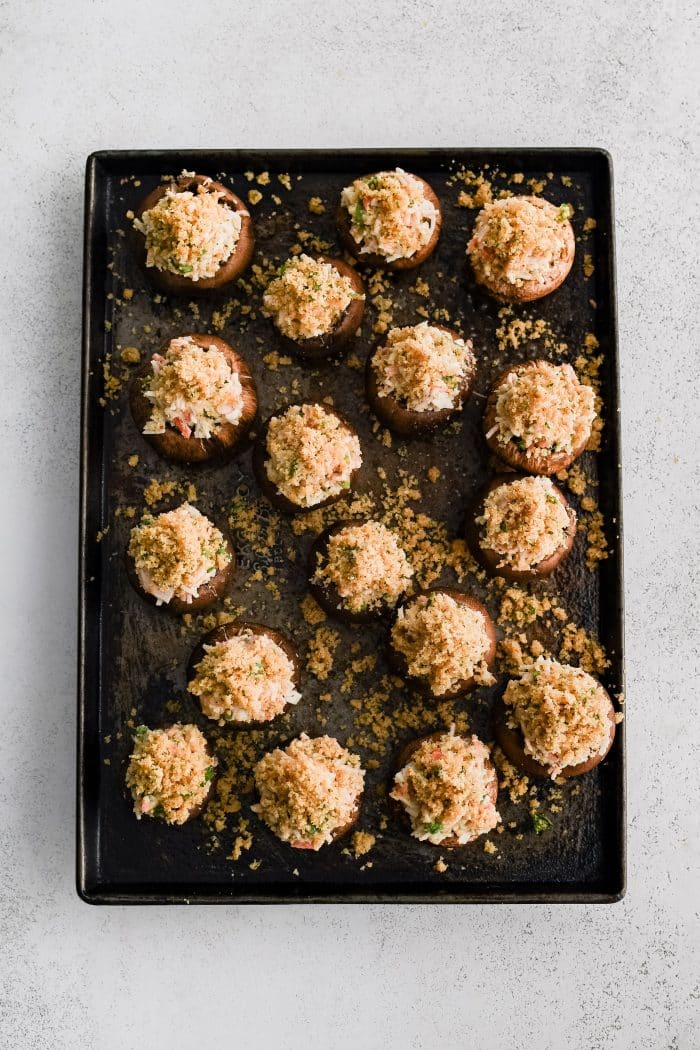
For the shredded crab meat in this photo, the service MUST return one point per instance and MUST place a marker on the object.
(169, 772)
(188, 233)
(443, 641)
(176, 553)
(312, 454)
(423, 367)
(544, 409)
(308, 298)
(192, 389)
(524, 521)
(366, 566)
(309, 790)
(519, 240)
(246, 678)
(446, 788)
(562, 712)
(389, 214)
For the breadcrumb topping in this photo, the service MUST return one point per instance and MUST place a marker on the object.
(562, 712)
(390, 214)
(308, 297)
(442, 640)
(366, 566)
(188, 233)
(446, 789)
(519, 240)
(192, 389)
(176, 553)
(308, 790)
(312, 454)
(423, 366)
(544, 408)
(169, 772)
(524, 521)
(245, 678)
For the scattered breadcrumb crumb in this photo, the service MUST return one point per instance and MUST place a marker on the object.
(362, 843)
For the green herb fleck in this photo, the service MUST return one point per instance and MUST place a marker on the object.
(540, 823)
(185, 268)
(434, 827)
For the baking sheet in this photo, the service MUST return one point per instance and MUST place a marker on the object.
(132, 658)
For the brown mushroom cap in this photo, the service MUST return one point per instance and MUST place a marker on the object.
(231, 630)
(505, 291)
(490, 559)
(513, 747)
(210, 591)
(378, 261)
(229, 270)
(405, 755)
(400, 664)
(406, 421)
(173, 445)
(327, 595)
(522, 459)
(276, 498)
(331, 345)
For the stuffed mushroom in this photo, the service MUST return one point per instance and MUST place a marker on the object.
(170, 773)
(193, 235)
(390, 219)
(555, 721)
(244, 674)
(179, 559)
(358, 571)
(309, 792)
(522, 527)
(307, 456)
(539, 417)
(196, 401)
(444, 642)
(419, 377)
(447, 789)
(316, 305)
(522, 248)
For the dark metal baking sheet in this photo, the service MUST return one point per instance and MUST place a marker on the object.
(132, 657)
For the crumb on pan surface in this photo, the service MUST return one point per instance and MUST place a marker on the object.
(562, 713)
(519, 240)
(543, 408)
(307, 297)
(308, 790)
(390, 214)
(311, 454)
(176, 553)
(189, 234)
(169, 772)
(423, 367)
(446, 789)
(442, 640)
(366, 566)
(245, 678)
(523, 521)
(192, 389)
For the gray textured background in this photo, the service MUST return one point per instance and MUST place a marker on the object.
(80, 76)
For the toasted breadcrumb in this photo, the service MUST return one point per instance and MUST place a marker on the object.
(362, 843)
(322, 648)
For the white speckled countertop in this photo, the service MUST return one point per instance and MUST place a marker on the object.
(82, 76)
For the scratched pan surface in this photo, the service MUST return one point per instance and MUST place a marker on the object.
(132, 657)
